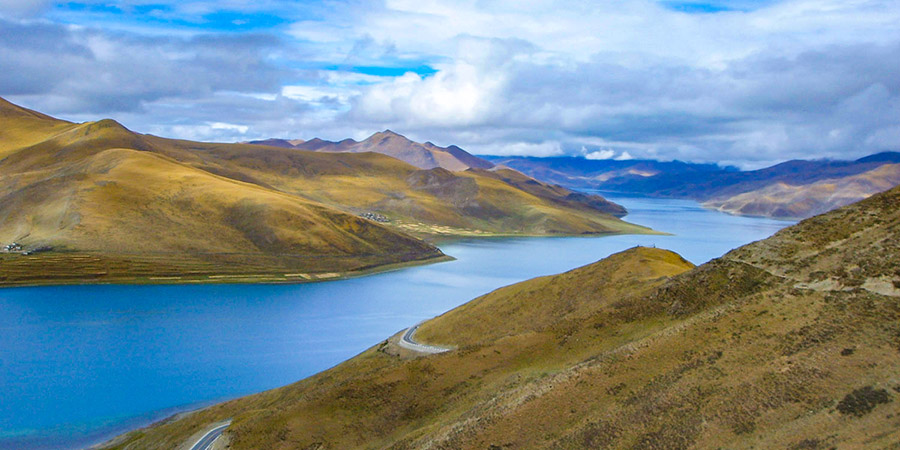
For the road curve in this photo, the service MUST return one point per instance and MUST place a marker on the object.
(406, 341)
(205, 442)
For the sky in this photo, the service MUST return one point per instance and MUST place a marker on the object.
(745, 82)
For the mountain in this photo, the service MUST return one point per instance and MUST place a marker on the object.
(105, 204)
(582, 173)
(423, 156)
(797, 201)
(790, 342)
(793, 189)
(113, 205)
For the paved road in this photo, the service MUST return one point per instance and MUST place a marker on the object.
(407, 342)
(207, 440)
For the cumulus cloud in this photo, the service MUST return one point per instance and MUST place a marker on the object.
(75, 70)
(600, 154)
(744, 82)
(772, 87)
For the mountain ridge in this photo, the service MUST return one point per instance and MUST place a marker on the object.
(754, 192)
(387, 142)
(106, 204)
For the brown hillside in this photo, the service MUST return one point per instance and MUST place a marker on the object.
(791, 342)
(117, 206)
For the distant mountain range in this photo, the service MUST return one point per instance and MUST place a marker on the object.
(786, 343)
(96, 202)
(793, 189)
(790, 190)
(423, 156)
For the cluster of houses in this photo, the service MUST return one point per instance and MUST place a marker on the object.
(375, 217)
(16, 247)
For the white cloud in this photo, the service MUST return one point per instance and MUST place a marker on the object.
(315, 94)
(791, 78)
(242, 129)
(459, 95)
(600, 154)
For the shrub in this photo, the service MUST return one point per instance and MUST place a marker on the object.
(862, 401)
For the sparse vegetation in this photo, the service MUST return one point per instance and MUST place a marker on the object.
(862, 401)
(635, 351)
(118, 206)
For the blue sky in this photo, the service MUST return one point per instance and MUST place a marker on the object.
(741, 82)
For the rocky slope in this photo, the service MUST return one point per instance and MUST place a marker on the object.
(790, 342)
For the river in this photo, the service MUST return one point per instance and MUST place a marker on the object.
(79, 364)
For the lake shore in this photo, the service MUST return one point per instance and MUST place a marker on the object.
(201, 343)
(168, 278)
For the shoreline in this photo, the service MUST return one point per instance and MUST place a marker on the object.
(293, 276)
(444, 239)
(279, 277)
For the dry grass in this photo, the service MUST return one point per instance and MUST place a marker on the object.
(631, 352)
(100, 189)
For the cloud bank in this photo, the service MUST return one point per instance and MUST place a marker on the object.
(745, 83)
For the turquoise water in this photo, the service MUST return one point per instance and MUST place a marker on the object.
(79, 364)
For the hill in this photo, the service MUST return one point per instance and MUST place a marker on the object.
(793, 189)
(790, 342)
(98, 202)
(423, 156)
(111, 205)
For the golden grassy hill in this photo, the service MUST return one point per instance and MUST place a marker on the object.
(115, 205)
(784, 200)
(460, 197)
(792, 342)
(424, 202)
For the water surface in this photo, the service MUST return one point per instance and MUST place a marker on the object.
(79, 364)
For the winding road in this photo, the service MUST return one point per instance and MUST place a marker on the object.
(205, 442)
(406, 341)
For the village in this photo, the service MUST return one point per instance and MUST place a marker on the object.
(15, 247)
(375, 217)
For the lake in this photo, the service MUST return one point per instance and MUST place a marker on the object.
(79, 364)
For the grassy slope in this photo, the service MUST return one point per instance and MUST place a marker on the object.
(427, 203)
(115, 207)
(121, 206)
(791, 342)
